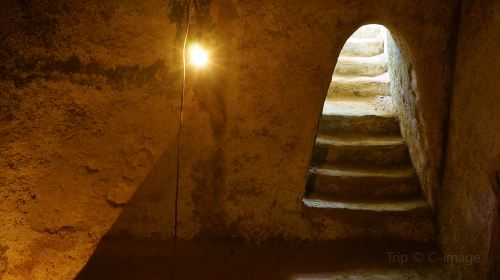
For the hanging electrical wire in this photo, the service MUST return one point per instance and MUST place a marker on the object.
(181, 111)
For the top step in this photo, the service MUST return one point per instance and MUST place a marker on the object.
(363, 47)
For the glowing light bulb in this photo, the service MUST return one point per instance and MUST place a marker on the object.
(199, 56)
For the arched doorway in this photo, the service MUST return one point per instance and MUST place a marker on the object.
(360, 159)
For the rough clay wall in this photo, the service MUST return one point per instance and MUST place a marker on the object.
(89, 106)
(421, 105)
(405, 97)
(468, 208)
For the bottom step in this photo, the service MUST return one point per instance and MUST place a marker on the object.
(404, 219)
(331, 202)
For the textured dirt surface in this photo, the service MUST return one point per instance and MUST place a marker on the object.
(468, 210)
(89, 95)
(87, 108)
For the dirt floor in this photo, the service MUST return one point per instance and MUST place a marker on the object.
(127, 259)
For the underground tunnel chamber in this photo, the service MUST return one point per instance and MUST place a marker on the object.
(360, 160)
(360, 164)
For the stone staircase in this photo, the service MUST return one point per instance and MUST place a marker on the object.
(360, 163)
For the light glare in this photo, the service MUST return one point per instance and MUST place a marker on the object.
(199, 56)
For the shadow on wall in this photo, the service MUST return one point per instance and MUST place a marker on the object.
(148, 215)
(150, 212)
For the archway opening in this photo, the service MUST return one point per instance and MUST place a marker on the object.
(360, 160)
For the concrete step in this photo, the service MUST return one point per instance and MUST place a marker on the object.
(361, 149)
(367, 182)
(363, 46)
(343, 124)
(357, 106)
(332, 201)
(361, 66)
(367, 31)
(360, 86)
(403, 219)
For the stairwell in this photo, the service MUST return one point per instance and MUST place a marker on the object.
(360, 165)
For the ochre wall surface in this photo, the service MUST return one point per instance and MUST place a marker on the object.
(468, 206)
(89, 110)
(406, 97)
(89, 103)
